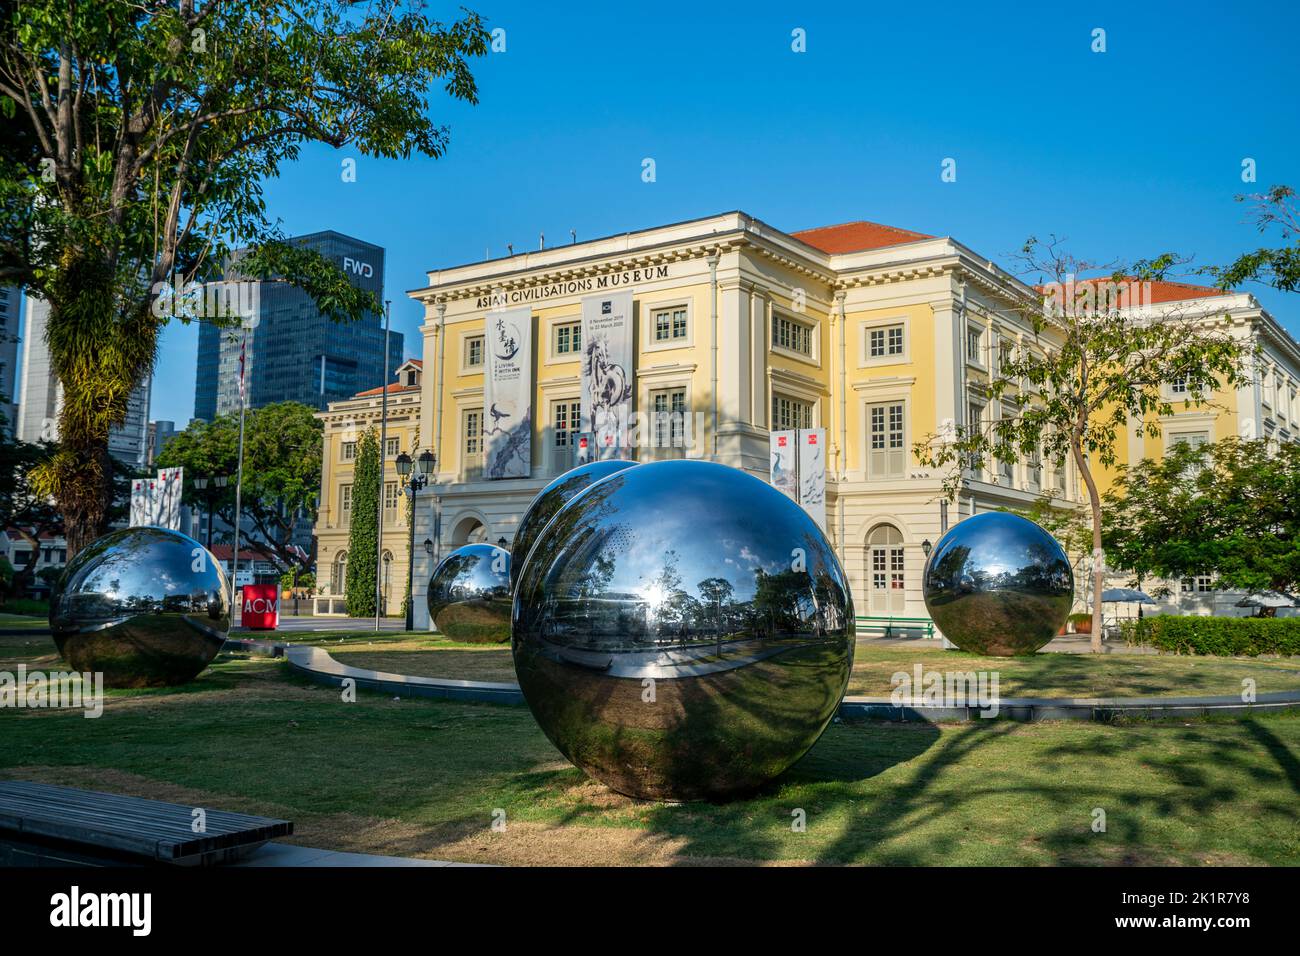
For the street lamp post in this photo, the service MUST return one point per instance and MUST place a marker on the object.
(211, 488)
(423, 466)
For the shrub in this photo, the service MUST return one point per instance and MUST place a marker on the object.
(1217, 636)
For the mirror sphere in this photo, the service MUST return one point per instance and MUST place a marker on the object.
(998, 584)
(145, 606)
(469, 594)
(683, 631)
(550, 500)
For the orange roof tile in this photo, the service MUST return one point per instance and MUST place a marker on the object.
(395, 387)
(1163, 290)
(856, 237)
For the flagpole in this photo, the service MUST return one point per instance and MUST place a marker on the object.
(239, 474)
(383, 440)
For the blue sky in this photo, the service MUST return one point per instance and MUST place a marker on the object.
(1126, 153)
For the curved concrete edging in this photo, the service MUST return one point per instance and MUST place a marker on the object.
(318, 665)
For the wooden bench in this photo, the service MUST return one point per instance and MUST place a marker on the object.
(893, 623)
(43, 825)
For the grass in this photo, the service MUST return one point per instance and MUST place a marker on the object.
(423, 778)
(1042, 675)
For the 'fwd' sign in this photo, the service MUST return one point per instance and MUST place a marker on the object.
(357, 267)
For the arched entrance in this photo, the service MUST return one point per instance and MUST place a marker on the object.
(469, 530)
(886, 579)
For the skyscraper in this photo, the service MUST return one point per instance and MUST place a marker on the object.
(42, 395)
(10, 296)
(294, 353)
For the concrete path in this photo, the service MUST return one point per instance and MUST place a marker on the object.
(317, 664)
(282, 854)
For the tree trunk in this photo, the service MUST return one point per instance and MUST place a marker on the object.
(99, 355)
(1098, 562)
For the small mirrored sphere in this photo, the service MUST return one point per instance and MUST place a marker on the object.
(469, 594)
(682, 631)
(998, 584)
(550, 500)
(146, 607)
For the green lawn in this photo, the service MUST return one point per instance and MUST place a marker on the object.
(423, 778)
(1042, 675)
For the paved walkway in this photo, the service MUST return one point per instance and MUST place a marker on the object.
(316, 664)
(1065, 644)
(282, 854)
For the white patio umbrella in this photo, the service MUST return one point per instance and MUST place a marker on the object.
(1273, 599)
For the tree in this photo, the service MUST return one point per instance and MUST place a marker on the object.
(1231, 509)
(1277, 268)
(363, 532)
(1093, 366)
(138, 137)
(27, 514)
(282, 473)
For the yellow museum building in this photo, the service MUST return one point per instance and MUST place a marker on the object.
(878, 335)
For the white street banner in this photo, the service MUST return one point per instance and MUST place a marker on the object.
(507, 393)
(141, 502)
(167, 498)
(607, 372)
(812, 473)
(783, 462)
(797, 465)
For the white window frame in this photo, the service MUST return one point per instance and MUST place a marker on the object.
(675, 445)
(470, 470)
(813, 330)
(886, 405)
(884, 325)
(344, 447)
(553, 326)
(778, 395)
(345, 502)
(564, 456)
(465, 367)
(978, 360)
(676, 303)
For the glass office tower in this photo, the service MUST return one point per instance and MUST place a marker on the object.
(294, 353)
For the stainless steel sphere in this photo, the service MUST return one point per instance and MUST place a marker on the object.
(683, 631)
(469, 594)
(146, 607)
(998, 584)
(550, 500)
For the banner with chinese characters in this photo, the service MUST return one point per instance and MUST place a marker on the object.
(607, 372)
(797, 468)
(507, 394)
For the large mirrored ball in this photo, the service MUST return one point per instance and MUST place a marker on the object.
(998, 584)
(469, 594)
(550, 500)
(146, 607)
(683, 631)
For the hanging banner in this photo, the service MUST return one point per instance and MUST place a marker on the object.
(783, 462)
(167, 498)
(141, 502)
(812, 473)
(157, 501)
(797, 468)
(507, 394)
(607, 372)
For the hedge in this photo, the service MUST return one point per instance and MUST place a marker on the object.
(1217, 636)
